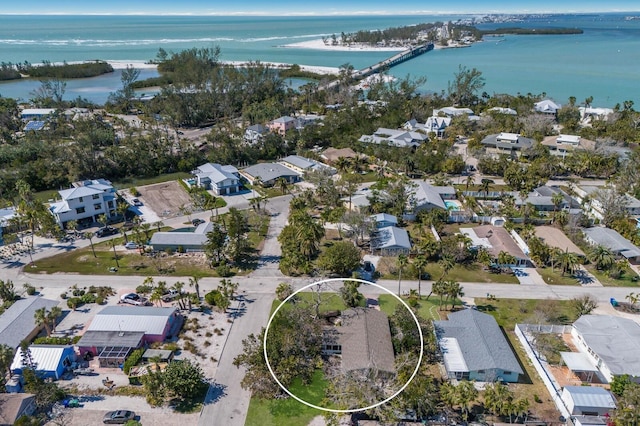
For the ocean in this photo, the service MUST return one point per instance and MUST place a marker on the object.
(603, 62)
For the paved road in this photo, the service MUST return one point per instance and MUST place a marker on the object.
(226, 399)
(271, 252)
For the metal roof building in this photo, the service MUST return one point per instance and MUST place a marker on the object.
(588, 400)
(391, 240)
(148, 319)
(49, 360)
(474, 348)
(614, 241)
(612, 343)
(17, 323)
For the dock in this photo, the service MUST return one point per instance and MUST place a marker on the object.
(392, 61)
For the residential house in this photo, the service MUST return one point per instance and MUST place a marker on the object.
(84, 202)
(383, 220)
(474, 348)
(15, 405)
(17, 323)
(507, 143)
(359, 201)
(6, 215)
(563, 145)
(40, 114)
(268, 173)
(591, 114)
(363, 341)
(155, 324)
(182, 241)
(254, 134)
(611, 343)
(301, 165)
(496, 240)
(600, 236)
(425, 196)
(391, 241)
(546, 106)
(50, 361)
(433, 124)
(592, 197)
(398, 138)
(555, 238)
(282, 125)
(588, 400)
(331, 155)
(502, 110)
(454, 112)
(542, 199)
(222, 180)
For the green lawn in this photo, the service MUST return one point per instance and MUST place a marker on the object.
(627, 279)
(330, 301)
(471, 273)
(289, 412)
(429, 309)
(556, 278)
(509, 312)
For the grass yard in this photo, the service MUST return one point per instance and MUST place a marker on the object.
(134, 182)
(628, 279)
(289, 412)
(461, 273)
(429, 309)
(330, 301)
(556, 278)
(509, 312)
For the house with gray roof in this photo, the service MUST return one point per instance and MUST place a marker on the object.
(268, 173)
(434, 124)
(15, 405)
(398, 138)
(611, 343)
(17, 323)
(507, 143)
(474, 348)
(382, 220)
(362, 338)
(222, 180)
(600, 236)
(301, 164)
(254, 134)
(496, 239)
(546, 106)
(193, 241)
(84, 202)
(454, 112)
(542, 199)
(391, 241)
(588, 400)
(424, 196)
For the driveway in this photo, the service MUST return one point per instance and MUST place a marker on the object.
(271, 251)
(226, 401)
(528, 276)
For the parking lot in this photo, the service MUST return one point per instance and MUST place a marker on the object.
(165, 199)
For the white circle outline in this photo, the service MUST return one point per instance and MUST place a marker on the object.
(353, 410)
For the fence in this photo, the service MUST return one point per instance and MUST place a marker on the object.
(552, 386)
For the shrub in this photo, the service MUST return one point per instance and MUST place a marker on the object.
(78, 292)
(52, 340)
(144, 289)
(133, 359)
(207, 343)
(536, 398)
(74, 302)
(224, 270)
(180, 249)
(63, 296)
(134, 191)
(172, 346)
(99, 300)
(169, 251)
(88, 298)
(208, 334)
(31, 290)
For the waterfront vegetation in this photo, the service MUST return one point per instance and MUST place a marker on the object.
(532, 31)
(46, 69)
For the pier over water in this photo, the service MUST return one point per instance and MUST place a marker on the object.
(392, 61)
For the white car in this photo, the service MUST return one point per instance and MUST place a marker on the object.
(131, 245)
(133, 299)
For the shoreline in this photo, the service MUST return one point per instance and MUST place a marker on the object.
(318, 44)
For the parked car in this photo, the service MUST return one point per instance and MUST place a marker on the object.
(133, 299)
(128, 225)
(131, 245)
(170, 295)
(106, 231)
(136, 202)
(196, 222)
(118, 417)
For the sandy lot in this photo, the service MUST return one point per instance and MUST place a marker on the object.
(165, 199)
(202, 340)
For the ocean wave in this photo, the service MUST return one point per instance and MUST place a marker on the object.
(107, 43)
(255, 39)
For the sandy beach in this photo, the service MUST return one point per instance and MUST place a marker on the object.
(319, 45)
(309, 68)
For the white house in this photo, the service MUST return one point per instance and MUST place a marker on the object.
(434, 124)
(222, 180)
(546, 106)
(588, 400)
(254, 134)
(507, 143)
(301, 164)
(391, 241)
(84, 202)
(612, 344)
(454, 112)
(398, 138)
(36, 113)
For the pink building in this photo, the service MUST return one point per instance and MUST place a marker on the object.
(282, 125)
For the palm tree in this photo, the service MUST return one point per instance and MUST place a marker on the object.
(122, 208)
(40, 317)
(73, 225)
(468, 182)
(194, 282)
(486, 184)
(420, 263)
(466, 394)
(102, 219)
(568, 262)
(453, 291)
(496, 397)
(159, 224)
(446, 263)
(6, 358)
(633, 298)
(89, 235)
(52, 317)
(401, 262)
(439, 288)
(602, 257)
(115, 254)
(342, 164)
(283, 184)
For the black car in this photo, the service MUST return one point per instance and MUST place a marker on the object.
(106, 231)
(196, 222)
(119, 417)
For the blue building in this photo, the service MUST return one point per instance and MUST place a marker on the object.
(50, 360)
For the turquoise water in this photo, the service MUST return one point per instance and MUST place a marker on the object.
(602, 62)
(452, 205)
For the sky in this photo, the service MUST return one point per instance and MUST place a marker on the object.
(321, 7)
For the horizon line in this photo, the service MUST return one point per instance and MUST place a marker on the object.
(323, 14)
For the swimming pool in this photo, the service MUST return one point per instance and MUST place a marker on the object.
(452, 205)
